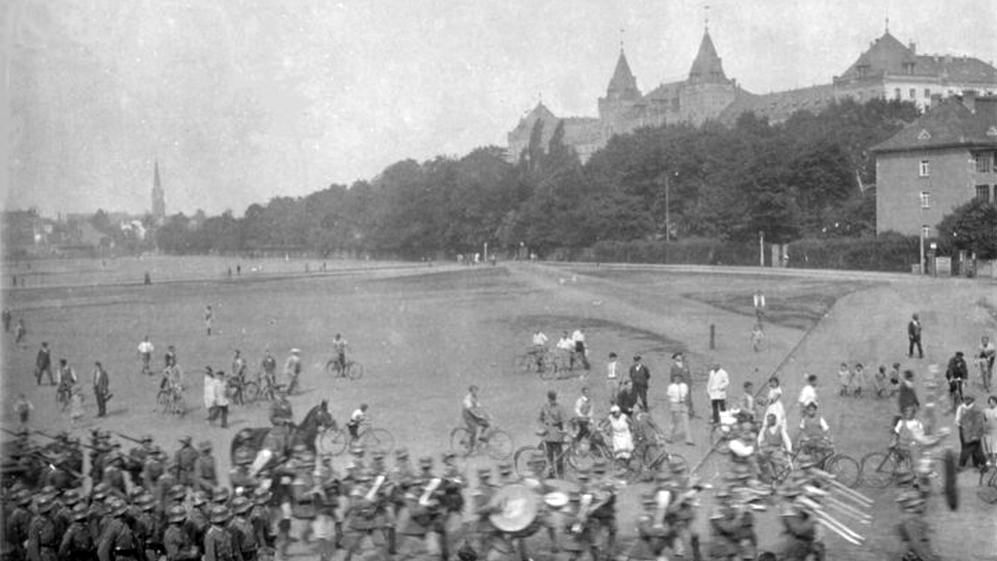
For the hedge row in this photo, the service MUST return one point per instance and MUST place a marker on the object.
(889, 252)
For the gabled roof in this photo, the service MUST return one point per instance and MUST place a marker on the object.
(707, 67)
(538, 113)
(948, 124)
(623, 84)
(888, 55)
(778, 106)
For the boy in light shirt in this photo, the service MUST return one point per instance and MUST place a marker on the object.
(678, 400)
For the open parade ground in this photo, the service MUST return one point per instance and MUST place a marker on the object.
(425, 332)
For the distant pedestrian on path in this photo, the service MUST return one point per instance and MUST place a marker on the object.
(101, 388)
(914, 337)
(20, 332)
(43, 365)
(209, 318)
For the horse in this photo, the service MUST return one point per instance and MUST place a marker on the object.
(316, 420)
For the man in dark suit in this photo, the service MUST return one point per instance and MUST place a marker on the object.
(43, 365)
(101, 388)
(640, 375)
(914, 337)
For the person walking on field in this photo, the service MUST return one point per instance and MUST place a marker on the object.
(681, 367)
(808, 394)
(907, 396)
(990, 424)
(20, 332)
(101, 388)
(552, 419)
(292, 369)
(221, 398)
(209, 393)
(43, 365)
(612, 377)
(678, 400)
(145, 349)
(716, 388)
(640, 377)
(914, 337)
(209, 318)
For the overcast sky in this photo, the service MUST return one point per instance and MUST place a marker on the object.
(242, 101)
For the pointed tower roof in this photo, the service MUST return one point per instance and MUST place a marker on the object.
(707, 67)
(623, 81)
(886, 54)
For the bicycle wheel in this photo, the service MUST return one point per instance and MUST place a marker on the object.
(460, 441)
(179, 405)
(527, 456)
(163, 399)
(354, 370)
(333, 441)
(878, 469)
(499, 444)
(250, 392)
(845, 469)
(524, 363)
(378, 439)
(548, 369)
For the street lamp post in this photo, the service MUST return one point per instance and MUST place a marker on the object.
(925, 205)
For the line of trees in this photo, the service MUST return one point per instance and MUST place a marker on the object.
(800, 178)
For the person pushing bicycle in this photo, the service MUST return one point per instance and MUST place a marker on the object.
(339, 346)
(474, 417)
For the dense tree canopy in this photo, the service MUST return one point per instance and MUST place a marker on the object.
(798, 178)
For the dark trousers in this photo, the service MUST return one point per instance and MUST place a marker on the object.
(555, 460)
(910, 348)
(718, 405)
(222, 411)
(46, 370)
(972, 450)
(641, 391)
(101, 398)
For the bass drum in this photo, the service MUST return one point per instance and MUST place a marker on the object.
(517, 509)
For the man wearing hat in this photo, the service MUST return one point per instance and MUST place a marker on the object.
(185, 459)
(76, 544)
(62, 513)
(176, 541)
(217, 540)
(603, 509)
(117, 541)
(205, 469)
(292, 369)
(261, 517)
(19, 522)
(244, 542)
(552, 419)
(680, 368)
(913, 528)
(239, 476)
(800, 526)
(197, 521)
(654, 535)
(732, 529)
(640, 376)
(42, 538)
(145, 526)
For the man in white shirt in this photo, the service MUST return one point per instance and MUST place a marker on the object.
(539, 341)
(716, 388)
(474, 417)
(292, 369)
(358, 417)
(678, 400)
(612, 377)
(584, 414)
(567, 349)
(808, 394)
(221, 398)
(145, 349)
(578, 338)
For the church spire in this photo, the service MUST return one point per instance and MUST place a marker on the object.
(623, 84)
(158, 195)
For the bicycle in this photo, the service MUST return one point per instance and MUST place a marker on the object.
(268, 388)
(170, 400)
(540, 361)
(651, 455)
(881, 469)
(336, 441)
(243, 391)
(63, 394)
(352, 369)
(492, 441)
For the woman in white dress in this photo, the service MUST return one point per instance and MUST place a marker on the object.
(622, 437)
(773, 402)
(990, 423)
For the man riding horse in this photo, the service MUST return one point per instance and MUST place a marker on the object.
(274, 444)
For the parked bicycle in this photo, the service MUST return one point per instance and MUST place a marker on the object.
(493, 442)
(243, 391)
(170, 400)
(336, 441)
(539, 361)
(882, 469)
(352, 369)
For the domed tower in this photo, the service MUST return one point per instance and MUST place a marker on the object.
(708, 90)
(617, 110)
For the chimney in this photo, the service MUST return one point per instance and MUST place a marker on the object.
(969, 100)
(913, 47)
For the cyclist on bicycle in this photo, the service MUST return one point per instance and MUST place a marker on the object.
(774, 445)
(238, 366)
(358, 417)
(474, 417)
(584, 414)
(145, 349)
(339, 346)
(815, 434)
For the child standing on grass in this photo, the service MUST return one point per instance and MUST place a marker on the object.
(879, 382)
(844, 379)
(747, 403)
(895, 379)
(858, 379)
(23, 408)
(757, 336)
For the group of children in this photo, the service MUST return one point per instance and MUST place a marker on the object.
(853, 379)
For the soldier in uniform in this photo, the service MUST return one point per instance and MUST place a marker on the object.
(114, 474)
(361, 514)
(915, 534)
(43, 542)
(325, 497)
(16, 526)
(163, 488)
(244, 543)
(261, 518)
(153, 468)
(63, 512)
(139, 454)
(577, 529)
(205, 469)
(145, 527)
(176, 541)
(185, 458)
(800, 527)
(197, 519)
(77, 544)
(484, 532)
(117, 542)
(97, 515)
(217, 540)
(221, 497)
(239, 477)
(731, 528)
(604, 515)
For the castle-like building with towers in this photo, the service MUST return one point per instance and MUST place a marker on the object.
(888, 70)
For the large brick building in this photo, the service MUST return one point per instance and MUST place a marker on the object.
(888, 69)
(942, 160)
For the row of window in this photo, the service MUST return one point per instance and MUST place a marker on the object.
(986, 162)
(912, 93)
(983, 193)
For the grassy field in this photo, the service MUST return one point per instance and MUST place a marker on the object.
(425, 333)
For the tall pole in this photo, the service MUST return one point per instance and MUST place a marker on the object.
(761, 248)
